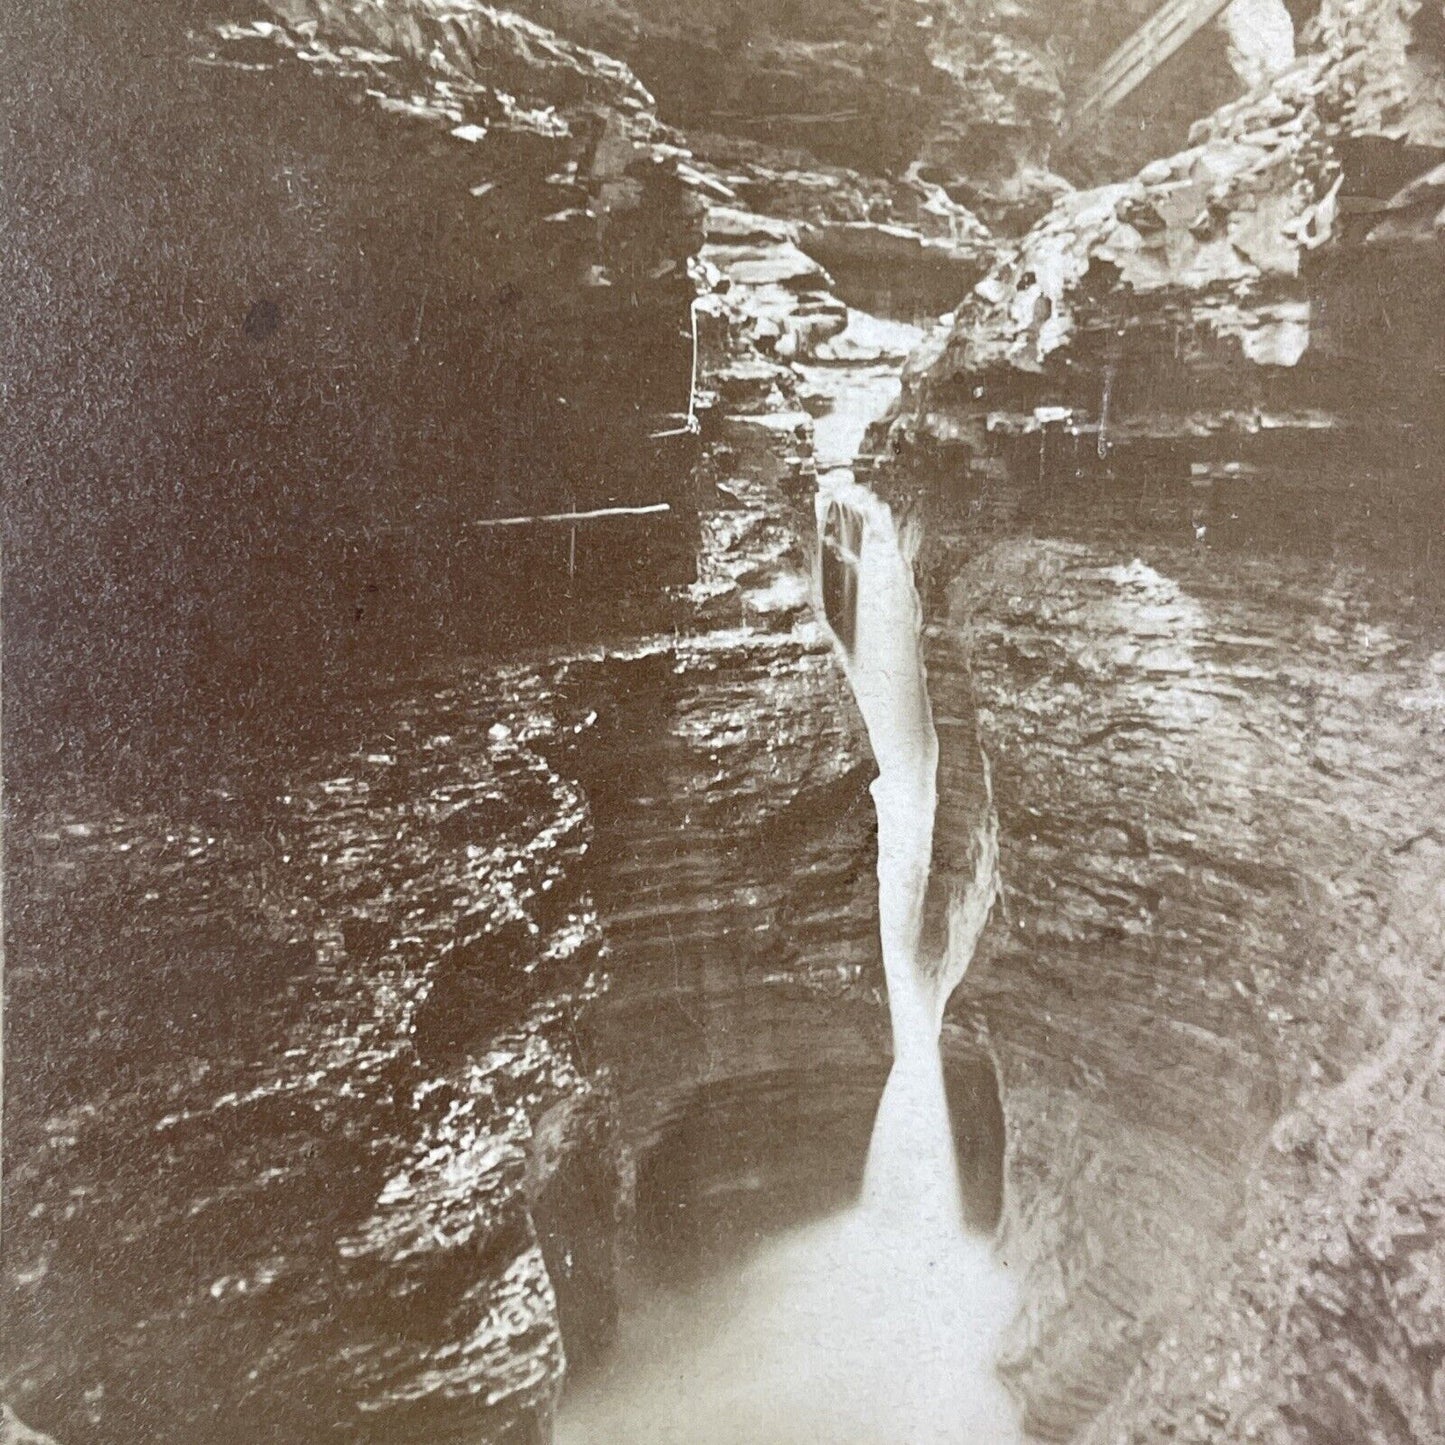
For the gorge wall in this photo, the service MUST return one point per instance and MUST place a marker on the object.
(275, 274)
(522, 280)
(1204, 398)
(494, 955)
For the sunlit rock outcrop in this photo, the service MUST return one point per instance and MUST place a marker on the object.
(1261, 39)
(1211, 302)
(969, 95)
(1388, 66)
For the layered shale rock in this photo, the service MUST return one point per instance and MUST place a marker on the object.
(319, 1136)
(300, 294)
(1215, 917)
(1209, 314)
(1210, 322)
(304, 1148)
(1326, 1323)
(313, 289)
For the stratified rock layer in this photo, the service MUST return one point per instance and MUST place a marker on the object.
(1229, 306)
(298, 296)
(320, 1136)
(1230, 358)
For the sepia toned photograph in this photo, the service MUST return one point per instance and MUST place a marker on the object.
(723, 722)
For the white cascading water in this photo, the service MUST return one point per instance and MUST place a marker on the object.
(878, 1326)
(871, 605)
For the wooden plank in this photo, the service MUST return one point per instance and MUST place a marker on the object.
(1168, 30)
(1162, 36)
(1185, 25)
(655, 509)
(1140, 46)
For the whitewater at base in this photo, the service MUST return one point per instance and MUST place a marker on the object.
(862, 1329)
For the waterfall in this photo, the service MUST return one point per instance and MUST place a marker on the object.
(866, 587)
(879, 1325)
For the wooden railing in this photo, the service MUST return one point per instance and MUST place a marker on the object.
(1162, 35)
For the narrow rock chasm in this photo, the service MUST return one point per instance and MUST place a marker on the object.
(830, 672)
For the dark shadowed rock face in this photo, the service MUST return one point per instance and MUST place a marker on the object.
(966, 94)
(275, 273)
(360, 1085)
(851, 83)
(246, 1190)
(332, 1119)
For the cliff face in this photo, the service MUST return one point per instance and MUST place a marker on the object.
(433, 239)
(1228, 370)
(1209, 310)
(965, 94)
(334, 1124)
(1326, 1321)
(1211, 911)
(275, 275)
(377, 1189)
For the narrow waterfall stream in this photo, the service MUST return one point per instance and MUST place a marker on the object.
(868, 596)
(880, 1324)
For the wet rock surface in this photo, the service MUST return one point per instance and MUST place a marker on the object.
(1196, 426)
(287, 1208)
(1210, 310)
(1178, 695)
(1199, 422)
(364, 1086)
